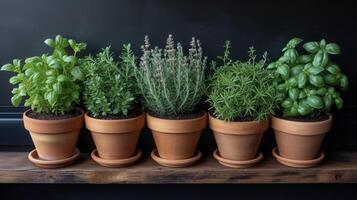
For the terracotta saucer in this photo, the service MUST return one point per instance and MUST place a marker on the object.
(52, 164)
(297, 163)
(235, 163)
(115, 163)
(174, 163)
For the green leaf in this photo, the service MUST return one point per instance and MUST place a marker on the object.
(77, 73)
(8, 67)
(328, 102)
(302, 79)
(283, 70)
(312, 47)
(69, 59)
(294, 42)
(315, 102)
(344, 82)
(339, 103)
(333, 69)
(296, 70)
(304, 59)
(55, 64)
(333, 48)
(294, 93)
(316, 80)
(331, 79)
(315, 70)
(304, 109)
(61, 78)
(320, 59)
(16, 100)
(50, 42)
(287, 103)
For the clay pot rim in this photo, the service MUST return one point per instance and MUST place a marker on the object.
(302, 122)
(298, 162)
(86, 115)
(53, 120)
(116, 162)
(181, 120)
(218, 157)
(175, 163)
(36, 159)
(232, 131)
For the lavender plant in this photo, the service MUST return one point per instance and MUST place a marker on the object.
(170, 82)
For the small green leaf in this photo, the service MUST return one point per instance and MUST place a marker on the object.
(8, 67)
(333, 48)
(316, 80)
(304, 109)
(304, 59)
(311, 47)
(302, 79)
(339, 103)
(50, 42)
(315, 70)
(315, 102)
(294, 93)
(77, 73)
(283, 70)
(344, 82)
(16, 100)
(320, 59)
(296, 70)
(69, 59)
(287, 103)
(328, 102)
(333, 69)
(331, 79)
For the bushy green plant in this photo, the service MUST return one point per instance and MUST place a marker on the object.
(170, 82)
(309, 84)
(51, 83)
(242, 91)
(110, 86)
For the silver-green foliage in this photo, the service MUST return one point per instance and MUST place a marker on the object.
(309, 84)
(110, 86)
(170, 82)
(51, 83)
(242, 90)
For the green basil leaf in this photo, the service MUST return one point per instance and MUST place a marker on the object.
(77, 73)
(321, 91)
(304, 109)
(16, 100)
(316, 80)
(302, 79)
(61, 78)
(315, 70)
(333, 69)
(315, 102)
(344, 82)
(311, 47)
(339, 103)
(304, 59)
(328, 102)
(283, 70)
(69, 59)
(320, 59)
(331, 79)
(50, 42)
(296, 70)
(333, 48)
(287, 103)
(294, 93)
(8, 67)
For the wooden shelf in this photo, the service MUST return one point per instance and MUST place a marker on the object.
(339, 167)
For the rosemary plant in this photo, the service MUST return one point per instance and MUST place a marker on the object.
(170, 82)
(110, 87)
(242, 91)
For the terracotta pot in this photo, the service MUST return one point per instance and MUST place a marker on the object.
(238, 141)
(115, 139)
(300, 140)
(176, 139)
(54, 139)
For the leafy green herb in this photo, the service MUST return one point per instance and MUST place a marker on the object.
(309, 84)
(170, 82)
(242, 90)
(110, 86)
(50, 83)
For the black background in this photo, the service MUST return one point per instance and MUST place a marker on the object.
(267, 25)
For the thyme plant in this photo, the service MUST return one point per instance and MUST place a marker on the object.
(242, 91)
(110, 86)
(309, 84)
(170, 82)
(51, 83)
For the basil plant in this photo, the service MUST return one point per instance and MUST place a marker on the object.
(308, 84)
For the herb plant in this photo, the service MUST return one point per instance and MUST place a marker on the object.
(51, 83)
(242, 91)
(170, 82)
(109, 87)
(309, 84)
